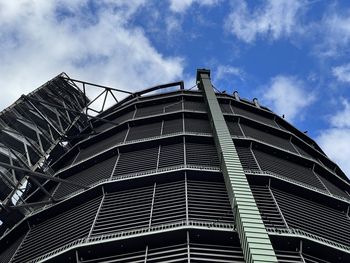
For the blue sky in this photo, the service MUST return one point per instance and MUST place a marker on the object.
(292, 55)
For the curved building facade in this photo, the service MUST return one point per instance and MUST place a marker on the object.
(175, 175)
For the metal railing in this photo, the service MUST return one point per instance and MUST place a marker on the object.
(310, 187)
(132, 233)
(304, 234)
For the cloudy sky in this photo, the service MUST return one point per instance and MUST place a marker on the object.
(292, 55)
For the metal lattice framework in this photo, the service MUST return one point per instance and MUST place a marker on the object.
(36, 130)
(32, 135)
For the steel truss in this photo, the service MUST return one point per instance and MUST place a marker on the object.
(38, 128)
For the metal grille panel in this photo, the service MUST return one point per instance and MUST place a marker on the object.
(303, 152)
(137, 161)
(124, 210)
(157, 109)
(126, 116)
(176, 253)
(288, 256)
(234, 129)
(208, 201)
(287, 168)
(201, 154)
(193, 252)
(173, 106)
(144, 131)
(103, 127)
(332, 188)
(213, 253)
(93, 174)
(313, 217)
(7, 254)
(247, 159)
(101, 145)
(169, 203)
(312, 259)
(195, 106)
(267, 207)
(267, 137)
(134, 257)
(225, 108)
(171, 155)
(172, 126)
(164, 203)
(58, 231)
(197, 125)
(254, 116)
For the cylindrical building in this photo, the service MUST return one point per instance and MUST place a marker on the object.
(175, 175)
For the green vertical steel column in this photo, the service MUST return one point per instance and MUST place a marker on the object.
(255, 242)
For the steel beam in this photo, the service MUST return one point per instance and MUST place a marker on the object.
(97, 85)
(25, 205)
(255, 242)
(74, 111)
(41, 175)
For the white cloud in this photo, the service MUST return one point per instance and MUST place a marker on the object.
(334, 30)
(342, 73)
(335, 141)
(180, 6)
(342, 118)
(223, 71)
(287, 95)
(39, 39)
(274, 20)
(173, 25)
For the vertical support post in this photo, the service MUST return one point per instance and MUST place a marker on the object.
(162, 128)
(76, 156)
(295, 148)
(183, 123)
(186, 196)
(240, 127)
(184, 145)
(158, 157)
(127, 132)
(115, 165)
(182, 103)
(277, 205)
(152, 205)
(321, 182)
(77, 256)
(301, 251)
(255, 242)
(97, 213)
(146, 254)
(253, 154)
(188, 247)
(134, 114)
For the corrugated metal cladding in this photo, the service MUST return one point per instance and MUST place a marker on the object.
(155, 191)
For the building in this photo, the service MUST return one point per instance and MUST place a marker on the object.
(167, 174)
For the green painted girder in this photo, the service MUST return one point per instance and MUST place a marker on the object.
(254, 239)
